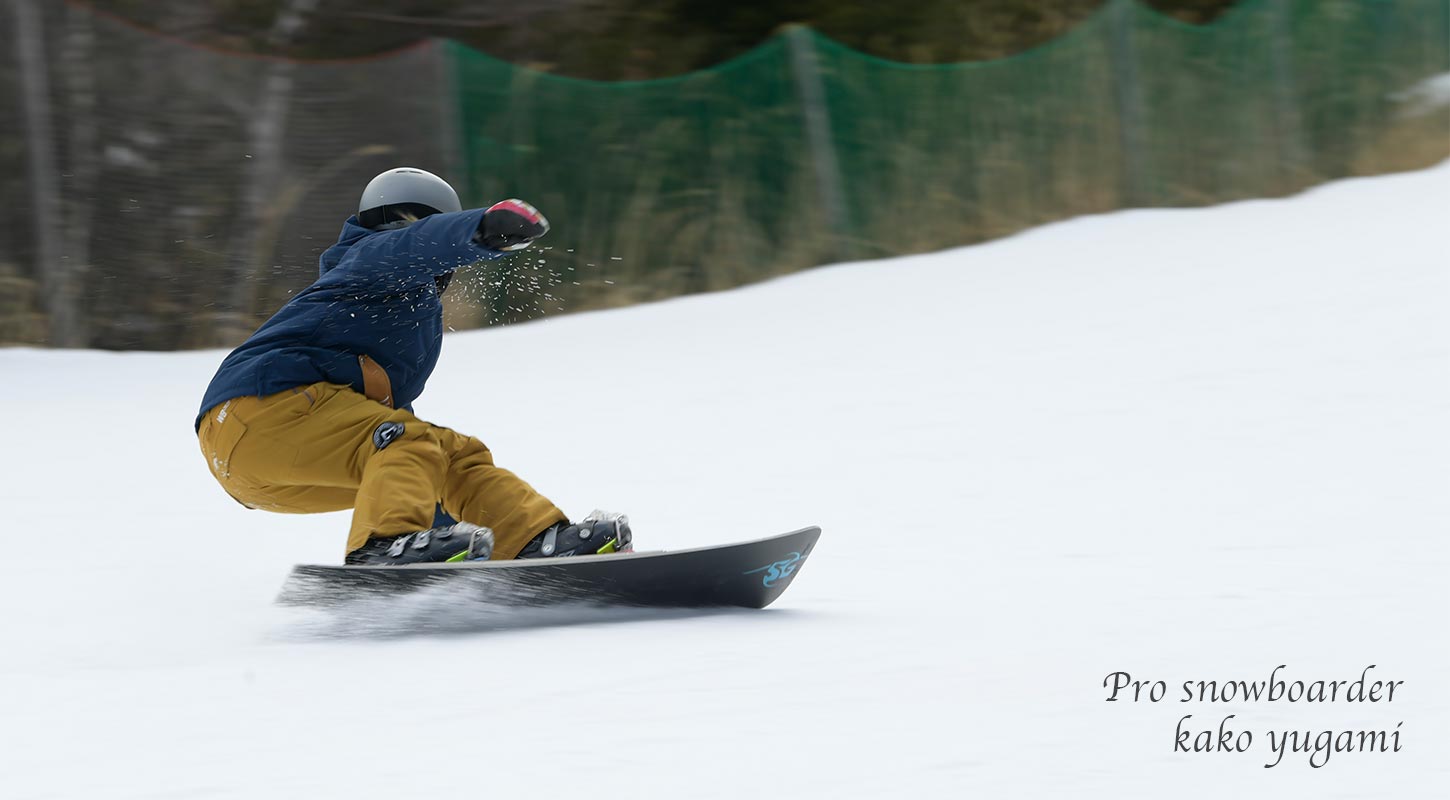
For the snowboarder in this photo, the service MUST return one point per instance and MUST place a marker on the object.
(314, 412)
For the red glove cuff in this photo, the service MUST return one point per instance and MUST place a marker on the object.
(523, 209)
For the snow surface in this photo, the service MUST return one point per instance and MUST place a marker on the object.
(1186, 444)
(1426, 97)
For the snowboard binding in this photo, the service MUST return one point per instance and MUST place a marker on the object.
(461, 541)
(599, 533)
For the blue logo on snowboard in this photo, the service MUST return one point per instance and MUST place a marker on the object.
(780, 569)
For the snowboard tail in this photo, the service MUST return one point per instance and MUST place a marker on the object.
(747, 574)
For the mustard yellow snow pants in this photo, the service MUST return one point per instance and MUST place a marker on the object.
(324, 447)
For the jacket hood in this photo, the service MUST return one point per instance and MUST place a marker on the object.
(352, 233)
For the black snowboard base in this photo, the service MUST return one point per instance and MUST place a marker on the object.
(748, 574)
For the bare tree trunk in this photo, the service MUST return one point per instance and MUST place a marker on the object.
(58, 295)
(267, 131)
(78, 66)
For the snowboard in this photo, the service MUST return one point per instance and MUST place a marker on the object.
(748, 574)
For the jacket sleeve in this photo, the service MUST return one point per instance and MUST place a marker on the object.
(399, 259)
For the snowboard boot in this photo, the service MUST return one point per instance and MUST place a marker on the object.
(460, 541)
(600, 532)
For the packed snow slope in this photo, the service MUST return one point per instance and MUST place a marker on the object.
(1183, 444)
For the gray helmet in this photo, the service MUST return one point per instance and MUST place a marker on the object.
(403, 195)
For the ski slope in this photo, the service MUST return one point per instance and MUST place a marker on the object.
(1184, 444)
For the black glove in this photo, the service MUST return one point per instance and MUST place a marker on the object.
(511, 225)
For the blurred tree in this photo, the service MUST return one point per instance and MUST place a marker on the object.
(267, 129)
(44, 205)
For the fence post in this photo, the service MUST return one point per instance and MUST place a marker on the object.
(1130, 102)
(807, 74)
(83, 161)
(450, 125)
(1292, 150)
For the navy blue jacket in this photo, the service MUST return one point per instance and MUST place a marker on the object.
(376, 297)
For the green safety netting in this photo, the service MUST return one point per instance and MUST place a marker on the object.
(195, 188)
(804, 151)
(694, 181)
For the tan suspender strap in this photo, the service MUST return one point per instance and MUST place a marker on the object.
(375, 381)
